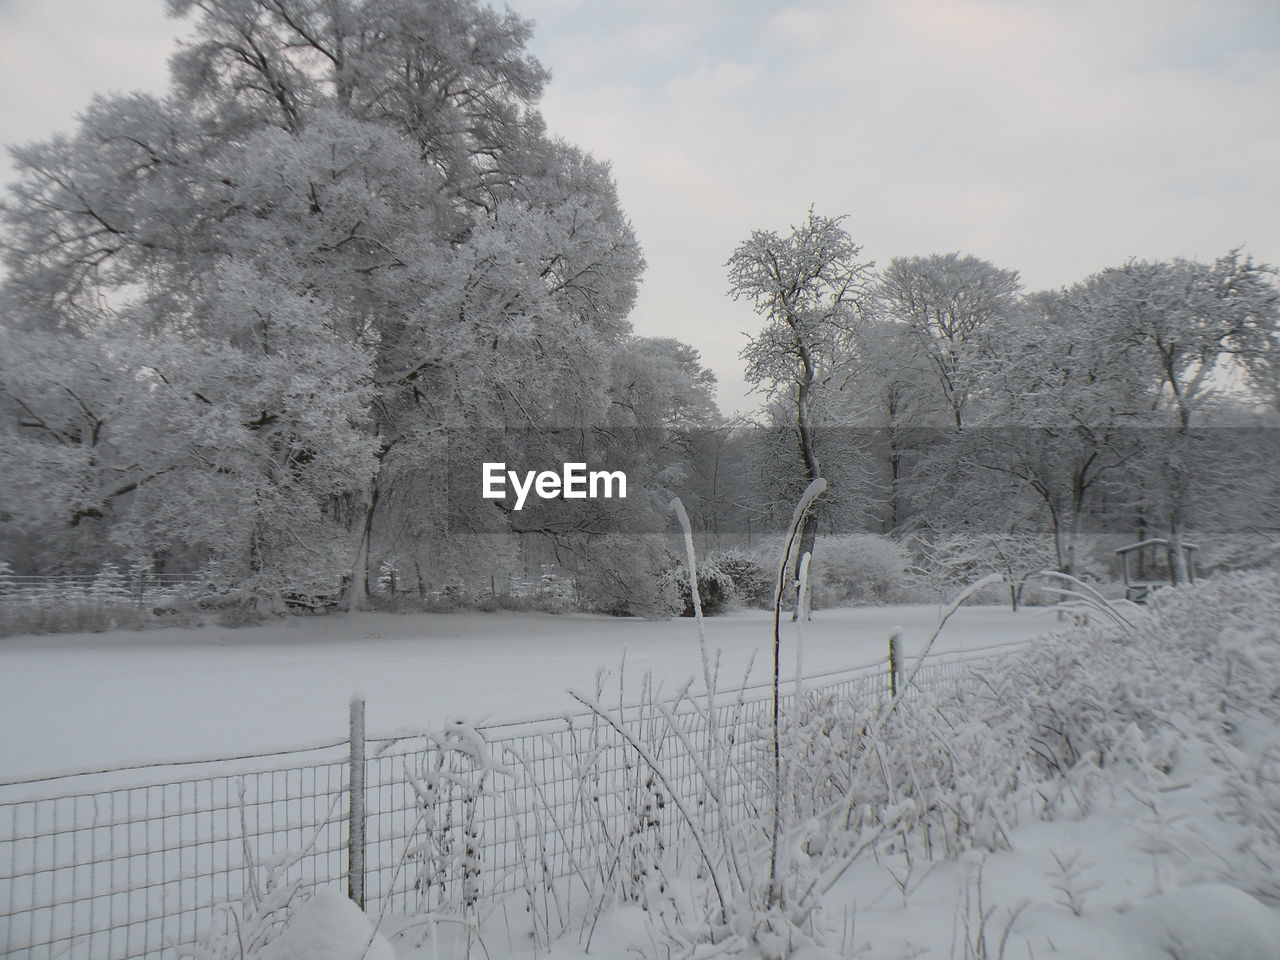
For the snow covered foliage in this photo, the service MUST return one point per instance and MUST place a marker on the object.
(251, 928)
(752, 580)
(858, 568)
(716, 587)
(111, 599)
(239, 324)
(455, 774)
(328, 926)
(964, 767)
(627, 576)
(848, 569)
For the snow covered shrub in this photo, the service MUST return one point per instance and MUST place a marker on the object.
(936, 782)
(1201, 661)
(1251, 794)
(235, 617)
(723, 820)
(949, 559)
(715, 587)
(858, 568)
(1242, 551)
(454, 593)
(752, 580)
(389, 579)
(249, 928)
(954, 768)
(328, 926)
(1229, 627)
(1065, 724)
(624, 576)
(454, 773)
(555, 593)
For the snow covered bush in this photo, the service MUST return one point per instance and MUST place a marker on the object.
(450, 779)
(949, 559)
(328, 926)
(246, 929)
(752, 580)
(323, 926)
(58, 604)
(555, 593)
(858, 568)
(624, 576)
(715, 587)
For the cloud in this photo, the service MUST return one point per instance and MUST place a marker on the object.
(1055, 137)
(56, 54)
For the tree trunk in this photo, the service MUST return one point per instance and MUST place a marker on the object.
(809, 525)
(1059, 544)
(895, 483)
(357, 593)
(1073, 542)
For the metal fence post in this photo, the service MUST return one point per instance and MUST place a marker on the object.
(356, 812)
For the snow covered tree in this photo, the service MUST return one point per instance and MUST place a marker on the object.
(888, 400)
(1056, 399)
(947, 301)
(806, 285)
(342, 238)
(1182, 323)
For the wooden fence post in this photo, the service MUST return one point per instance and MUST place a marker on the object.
(895, 661)
(356, 812)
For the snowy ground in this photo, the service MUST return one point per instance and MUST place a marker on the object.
(1108, 886)
(1160, 842)
(85, 701)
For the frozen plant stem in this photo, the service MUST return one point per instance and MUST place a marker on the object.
(811, 493)
(651, 761)
(964, 595)
(803, 600)
(695, 597)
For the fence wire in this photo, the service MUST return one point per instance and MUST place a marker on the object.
(453, 817)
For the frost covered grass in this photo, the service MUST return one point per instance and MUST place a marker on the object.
(1107, 792)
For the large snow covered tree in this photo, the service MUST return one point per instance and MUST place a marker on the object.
(1054, 400)
(1183, 324)
(806, 285)
(890, 403)
(946, 302)
(342, 240)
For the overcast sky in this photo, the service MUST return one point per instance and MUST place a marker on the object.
(1054, 137)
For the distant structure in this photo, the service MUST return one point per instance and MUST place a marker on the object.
(1145, 567)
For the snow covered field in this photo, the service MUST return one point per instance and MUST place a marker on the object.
(1102, 793)
(85, 701)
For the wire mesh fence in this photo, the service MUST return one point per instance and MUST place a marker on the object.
(452, 817)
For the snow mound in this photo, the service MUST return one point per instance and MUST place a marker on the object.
(1209, 922)
(328, 926)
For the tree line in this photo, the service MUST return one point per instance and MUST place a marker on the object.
(938, 396)
(267, 323)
